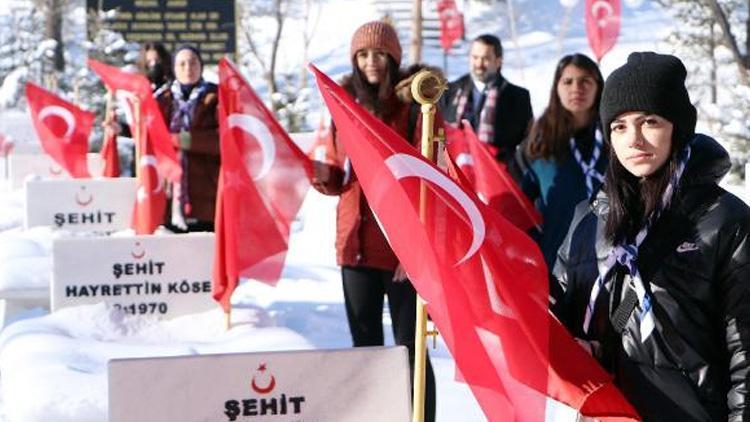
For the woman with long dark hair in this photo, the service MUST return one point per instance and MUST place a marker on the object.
(564, 158)
(653, 276)
(155, 62)
(369, 268)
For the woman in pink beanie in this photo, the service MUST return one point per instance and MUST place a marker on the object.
(369, 268)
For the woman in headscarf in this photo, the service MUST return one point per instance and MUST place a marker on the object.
(190, 109)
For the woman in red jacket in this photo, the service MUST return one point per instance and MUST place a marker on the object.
(369, 268)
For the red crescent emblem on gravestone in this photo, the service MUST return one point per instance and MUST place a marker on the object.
(268, 388)
(84, 202)
(137, 251)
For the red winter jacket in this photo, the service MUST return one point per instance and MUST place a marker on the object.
(359, 240)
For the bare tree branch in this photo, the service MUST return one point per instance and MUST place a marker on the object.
(729, 40)
(280, 15)
(307, 36)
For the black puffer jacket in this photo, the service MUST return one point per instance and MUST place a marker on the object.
(695, 262)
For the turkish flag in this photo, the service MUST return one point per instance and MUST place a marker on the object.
(451, 23)
(151, 198)
(322, 149)
(6, 145)
(602, 25)
(487, 177)
(135, 89)
(264, 179)
(62, 128)
(110, 156)
(484, 281)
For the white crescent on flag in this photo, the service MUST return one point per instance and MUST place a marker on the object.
(145, 162)
(404, 165)
(61, 112)
(606, 7)
(261, 133)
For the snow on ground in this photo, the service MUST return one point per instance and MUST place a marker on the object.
(54, 366)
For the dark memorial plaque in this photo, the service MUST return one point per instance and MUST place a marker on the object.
(207, 24)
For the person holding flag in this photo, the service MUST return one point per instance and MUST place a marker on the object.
(562, 162)
(369, 268)
(155, 62)
(653, 276)
(190, 109)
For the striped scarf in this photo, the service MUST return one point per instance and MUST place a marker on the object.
(183, 110)
(182, 119)
(486, 122)
(589, 167)
(627, 256)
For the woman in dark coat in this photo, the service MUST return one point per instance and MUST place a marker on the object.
(369, 268)
(564, 158)
(190, 109)
(653, 276)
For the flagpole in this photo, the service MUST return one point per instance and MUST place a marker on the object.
(108, 115)
(138, 129)
(426, 88)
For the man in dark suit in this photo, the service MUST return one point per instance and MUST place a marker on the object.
(499, 111)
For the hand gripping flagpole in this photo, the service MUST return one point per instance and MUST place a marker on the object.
(426, 88)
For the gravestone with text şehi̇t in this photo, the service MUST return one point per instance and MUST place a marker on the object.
(159, 275)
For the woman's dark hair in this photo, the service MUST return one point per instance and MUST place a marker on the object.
(632, 199)
(550, 134)
(379, 98)
(165, 59)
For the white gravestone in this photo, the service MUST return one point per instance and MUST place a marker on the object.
(22, 165)
(364, 384)
(164, 276)
(97, 205)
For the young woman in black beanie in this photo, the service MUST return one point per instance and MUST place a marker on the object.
(654, 275)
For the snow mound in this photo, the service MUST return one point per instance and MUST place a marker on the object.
(11, 207)
(55, 367)
(26, 259)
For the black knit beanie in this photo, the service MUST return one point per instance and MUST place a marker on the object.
(652, 83)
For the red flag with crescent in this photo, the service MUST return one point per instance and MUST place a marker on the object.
(484, 280)
(488, 178)
(135, 89)
(110, 156)
(602, 25)
(151, 199)
(63, 129)
(451, 23)
(264, 179)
